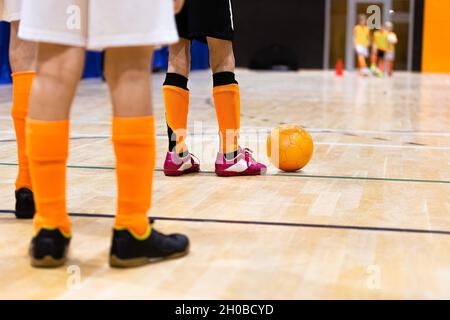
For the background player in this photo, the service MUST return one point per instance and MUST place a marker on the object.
(361, 37)
(380, 39)
(22, 56)
(129, 47)
(209, 21)
(390, 52)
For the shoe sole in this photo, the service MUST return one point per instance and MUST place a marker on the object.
(171, 173)
(24, 215)
(240, 174)
(116, 262)
(48, 262)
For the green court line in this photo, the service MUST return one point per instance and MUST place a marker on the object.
(361, 178)
(276, 175)
(90, 167)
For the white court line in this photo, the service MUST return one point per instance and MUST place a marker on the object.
(266, 129)
(74, 135)
(350, 131)
(343, 144)
(73, 121)
(213, 138)
(399, 132)
(311, 130)
(389, 146)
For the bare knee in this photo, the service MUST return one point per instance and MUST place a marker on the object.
(221, 55)
(60, 63)
(127, 64)
(59, 70)
(128, 73)
(22, 53)
(180, 58)
(116, 74)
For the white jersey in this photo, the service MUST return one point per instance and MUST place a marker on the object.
(98, 24)
(10, 10)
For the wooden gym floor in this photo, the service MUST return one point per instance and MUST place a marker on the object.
(369, 217)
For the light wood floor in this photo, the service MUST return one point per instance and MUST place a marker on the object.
(369, 217)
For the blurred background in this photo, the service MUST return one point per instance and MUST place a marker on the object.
(305, 34)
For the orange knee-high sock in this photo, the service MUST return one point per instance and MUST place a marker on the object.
(228, 108)
(373, 58)
(22, 82)
(390, 67)
(47, 151)
(134, 146)
(176, 98)
(381, 65)
(362, 61)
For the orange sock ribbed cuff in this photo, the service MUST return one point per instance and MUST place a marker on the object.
(177, 108)
(47, 151)
(134, 146)
(227, 103)
(22, 82)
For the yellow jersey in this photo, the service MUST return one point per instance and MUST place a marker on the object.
(380, 37)
(361, 35)
(392, 41)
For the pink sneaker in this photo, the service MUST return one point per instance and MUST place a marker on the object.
(243, 165)
(176, 166)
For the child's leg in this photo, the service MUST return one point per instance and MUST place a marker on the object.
(381, 65)
(180, 58)
(231, 160)
(22, 53)
(390, 67)
(127, 71)
(362, 61)
(176, 95)
(22, 56)
(373, 57)
(134, 241)
(47, 131)
(373, 61)
(225, 94)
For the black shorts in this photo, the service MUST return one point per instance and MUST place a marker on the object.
(380, 54)
(206, 18)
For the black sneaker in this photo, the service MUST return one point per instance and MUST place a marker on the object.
(24, 204)
(127, 251)
(49, 248)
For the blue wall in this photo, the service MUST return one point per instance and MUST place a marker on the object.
(93, 67)
(5, 71)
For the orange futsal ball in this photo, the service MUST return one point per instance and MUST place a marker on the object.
(289, 147)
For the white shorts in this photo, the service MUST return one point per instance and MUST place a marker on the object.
(10, 10)
(362, 50)
(389, 56)
(99, 24)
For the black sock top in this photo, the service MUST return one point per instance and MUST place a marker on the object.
(223, 78)
(176, 80)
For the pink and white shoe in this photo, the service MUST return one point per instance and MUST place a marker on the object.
(176, 166)
(243, 165)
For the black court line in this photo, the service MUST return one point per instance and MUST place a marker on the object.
(269, 223)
